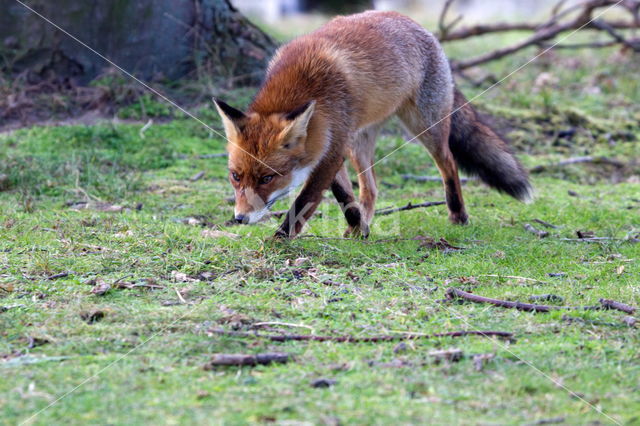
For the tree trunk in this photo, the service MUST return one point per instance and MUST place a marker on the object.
(153, 39)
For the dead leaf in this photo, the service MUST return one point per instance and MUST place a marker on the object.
(91, 317)
(100, 287)
(235, 319)
(106, 207)
(128, 233)
(353, 276)
(585, 234)
(442, 245)
(447, 355)
(480, 360)
(301, 261)
(630, 321)
(543, 81)
(499, 254)
(192, 221)
(7, 287)
(400, 347)
(212, 233)
(323, 383)
(539, 232)
(181, 277)
(620, 270)
(4, 182)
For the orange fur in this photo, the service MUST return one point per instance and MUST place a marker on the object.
(324, 96)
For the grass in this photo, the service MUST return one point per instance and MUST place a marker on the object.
(136, 355)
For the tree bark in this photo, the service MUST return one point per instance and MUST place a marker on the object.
(153, 39)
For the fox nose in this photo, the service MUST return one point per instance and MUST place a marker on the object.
(240, 218)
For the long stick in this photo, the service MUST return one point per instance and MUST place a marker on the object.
(354, 339)
(455, 293)
(612, 304)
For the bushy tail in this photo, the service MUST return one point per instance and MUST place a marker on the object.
(480, 151)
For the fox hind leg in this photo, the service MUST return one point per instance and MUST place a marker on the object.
(432, 129)
(361, 155)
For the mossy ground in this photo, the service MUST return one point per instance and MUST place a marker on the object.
(135, 356)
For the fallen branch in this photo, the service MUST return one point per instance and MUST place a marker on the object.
(408, 206)
(503, 27)
(592, 45)
(608, 28)
(57, 276)
(242, 359)
(612, 304)
(578, 160)
(354, 339)
(540, 233)
(454, 293)
(546, 31)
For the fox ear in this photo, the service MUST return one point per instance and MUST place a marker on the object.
(298, 122)
(231, 118)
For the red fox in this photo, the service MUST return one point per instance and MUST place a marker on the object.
(325, 97)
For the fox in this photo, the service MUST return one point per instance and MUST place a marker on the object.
(324, 99)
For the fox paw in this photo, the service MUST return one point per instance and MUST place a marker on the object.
(357, 232)
(460, 218)
(281, 235)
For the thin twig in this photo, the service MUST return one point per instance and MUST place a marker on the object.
(354, 339)
(515, 277)
(282, 324)
(544, 223)
(145, 128)
(593, 45)
(442, 26)
(539, 232)
(600, 240)
(604, 26)
(431, 178)
(408, 206)
(57, 276)
(184, 302)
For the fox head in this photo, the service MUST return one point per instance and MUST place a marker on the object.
(268, 156)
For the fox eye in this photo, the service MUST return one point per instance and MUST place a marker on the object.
(235, 176)
(265, 179)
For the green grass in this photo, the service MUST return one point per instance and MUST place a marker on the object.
(143, 361)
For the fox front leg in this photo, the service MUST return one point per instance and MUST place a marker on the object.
(311, 195)
(343, 191)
